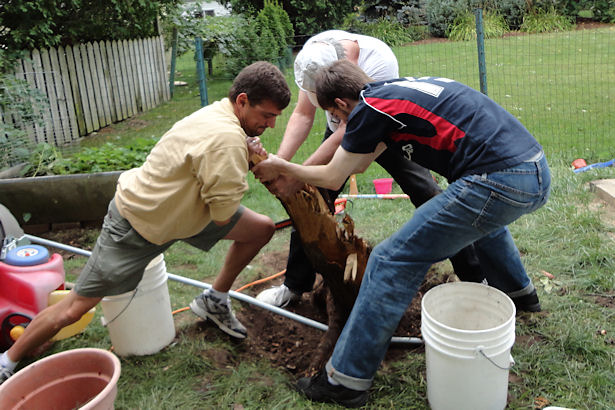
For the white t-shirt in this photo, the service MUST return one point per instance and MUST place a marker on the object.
(376, 58)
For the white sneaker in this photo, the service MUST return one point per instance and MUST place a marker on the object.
(4, 374)
(279, 296)
(209, 307)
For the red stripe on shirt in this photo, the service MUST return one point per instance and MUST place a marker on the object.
(446, 132)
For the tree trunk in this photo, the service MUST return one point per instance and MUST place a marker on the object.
(335, 252)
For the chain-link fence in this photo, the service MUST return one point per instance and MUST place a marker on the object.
(561, 86)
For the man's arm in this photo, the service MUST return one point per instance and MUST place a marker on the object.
(327, 149)
(298, 127)
(331, 175)
(297, 130)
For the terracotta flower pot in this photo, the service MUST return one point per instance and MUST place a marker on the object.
(80, 378)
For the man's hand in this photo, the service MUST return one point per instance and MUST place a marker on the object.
(222, 223)
(285, 186)
(269, 169)
(255, 148)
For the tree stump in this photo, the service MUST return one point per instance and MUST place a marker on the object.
(335, 252)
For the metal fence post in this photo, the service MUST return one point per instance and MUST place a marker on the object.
(480, 42)
(200, 70)
(173, 58)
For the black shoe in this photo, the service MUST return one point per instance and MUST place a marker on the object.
(527, 303)
(318, 388)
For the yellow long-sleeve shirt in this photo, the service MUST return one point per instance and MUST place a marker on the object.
(196, 173)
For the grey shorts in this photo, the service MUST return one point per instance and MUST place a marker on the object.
(121, 255)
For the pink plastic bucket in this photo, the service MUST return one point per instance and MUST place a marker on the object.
(383, 185)
(79, 378)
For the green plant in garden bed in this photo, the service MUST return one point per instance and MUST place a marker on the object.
(464, 26)
(391, 32)
(48, 160)
(542, 21)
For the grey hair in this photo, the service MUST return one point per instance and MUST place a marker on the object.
(339, 47)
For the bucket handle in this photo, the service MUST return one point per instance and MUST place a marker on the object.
(106, 323)
(480, 350)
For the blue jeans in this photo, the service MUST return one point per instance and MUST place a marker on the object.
(473, 209)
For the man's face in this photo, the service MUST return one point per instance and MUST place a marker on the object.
(255, 119)
(341, 110)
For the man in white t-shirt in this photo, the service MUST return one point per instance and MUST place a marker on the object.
(378, 61)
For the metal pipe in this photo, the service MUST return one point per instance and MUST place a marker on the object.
(236, 295)
(58, 245)
(376, 196)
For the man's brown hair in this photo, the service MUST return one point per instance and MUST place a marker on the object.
(341, 79)
(261, 81)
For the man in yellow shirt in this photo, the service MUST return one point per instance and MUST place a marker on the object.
(189, 189)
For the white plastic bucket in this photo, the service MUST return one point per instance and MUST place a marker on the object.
(468, 329)
(141, 323)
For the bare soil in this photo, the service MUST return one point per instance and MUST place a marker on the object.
(288, 344)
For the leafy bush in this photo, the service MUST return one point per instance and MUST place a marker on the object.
(43, 160)
(308, 17)
(109, 157)
(598, 10)
(21, 105)
(411, 15)
(464, 26)
(44, 24)
(440, 14)
(391, 32)
(15, 146)
(46, 159)
(273, 18)
(406, 12)
(249, 42)
(241, 39)
(393, 21)
(264, 37)
(211, 29)
(546, 5)
(513, 12)
(541, 21)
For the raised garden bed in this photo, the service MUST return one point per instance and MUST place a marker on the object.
(40, 202)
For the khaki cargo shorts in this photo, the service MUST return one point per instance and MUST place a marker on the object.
(121, 255)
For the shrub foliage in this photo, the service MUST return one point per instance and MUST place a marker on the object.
(20, 104)
(308, 17)
(464, 26)
(40, 24)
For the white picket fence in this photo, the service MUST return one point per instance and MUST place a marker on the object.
(90, 86)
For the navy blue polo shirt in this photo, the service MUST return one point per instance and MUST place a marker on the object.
(440, 124)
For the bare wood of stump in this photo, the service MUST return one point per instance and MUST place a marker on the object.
(328, 245)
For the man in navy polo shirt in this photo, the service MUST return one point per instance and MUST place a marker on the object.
(496, 170)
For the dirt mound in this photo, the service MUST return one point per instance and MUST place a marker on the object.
(289, 344)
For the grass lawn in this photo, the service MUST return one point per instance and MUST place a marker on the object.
(564, 356)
